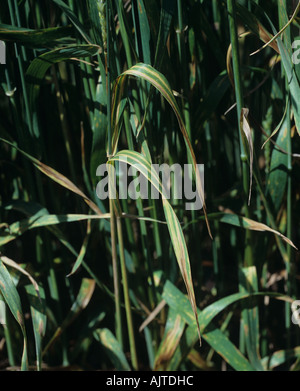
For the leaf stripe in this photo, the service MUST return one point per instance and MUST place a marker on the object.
(148, 73)
(140, 162)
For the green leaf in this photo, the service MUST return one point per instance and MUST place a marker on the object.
(280, 357)
(244, 222)
(99, 127)
(293, 82)
(277, 179)
(82, 251)
(12, 299)
(156, 79)
(95, 22)
(36, 38)
(286, 58)
(39, 319)
(246, 136)
(73, 18)
(112, 348)
(167, 12)
(250, 19)
(250, 318)
(18, 228)
(212, 335)
(144, 32)
(39, 66)
(215, 337)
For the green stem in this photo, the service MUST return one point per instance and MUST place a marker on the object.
(111, 206)
(248, 255)
(283, 19)
(126, 297)
(118, 319)
(8, 341)
(143, 142)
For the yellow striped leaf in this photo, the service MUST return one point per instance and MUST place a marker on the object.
(148, 73)
(140, 162)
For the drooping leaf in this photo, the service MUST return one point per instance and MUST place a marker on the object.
(56, 177)
(39, 66)
(16, 266)
(291, 76)
(244, 222)
(36, 38)
(253, 23)
(248, 143)
(156, 79)
(288, 23)
(139, 161)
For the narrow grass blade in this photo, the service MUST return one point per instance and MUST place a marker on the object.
(250, 317)
(279, 32)
(244, 222)
(16, 266)
(152, 315)
(255, 25)
(20, 227)
(279, 126)
(39, 319)
(2, 311)
(144, 31)
(248, 144)
(39, 66)
(277, 178)
(95, 21)
(292, 81)
(82, 251)
(56, 177)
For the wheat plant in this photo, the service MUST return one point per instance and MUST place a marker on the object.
(91, 283)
